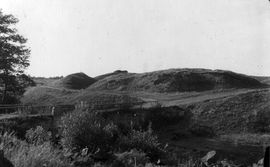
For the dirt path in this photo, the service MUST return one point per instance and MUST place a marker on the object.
(168, 99)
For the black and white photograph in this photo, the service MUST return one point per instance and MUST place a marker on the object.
(134, 83)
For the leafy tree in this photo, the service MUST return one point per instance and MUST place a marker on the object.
(14, 58)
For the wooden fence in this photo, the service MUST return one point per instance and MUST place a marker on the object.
(105, 105)
(34, 109)
(55, 110)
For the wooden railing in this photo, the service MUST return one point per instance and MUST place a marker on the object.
(33, 109)
(55, 110)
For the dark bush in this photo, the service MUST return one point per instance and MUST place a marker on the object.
(130, 158)
(144, 141)
(23, 154)
(164, 116)
(84, 129)
(261, 123)
(37, 136)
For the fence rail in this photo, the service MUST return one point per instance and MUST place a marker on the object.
(59, 109)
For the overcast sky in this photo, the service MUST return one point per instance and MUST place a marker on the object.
(100, 36)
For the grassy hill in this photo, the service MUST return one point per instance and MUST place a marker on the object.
(262, 79)
(243, 112)
(175, 80)
(186, 82)
(45, 95)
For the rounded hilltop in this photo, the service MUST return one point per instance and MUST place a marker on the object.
(74, 81)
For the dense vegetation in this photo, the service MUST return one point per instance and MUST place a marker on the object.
(83, 139)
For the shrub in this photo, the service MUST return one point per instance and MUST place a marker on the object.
(37, 136)
(40, 155)
(260, 122)
(131, 158)
(10, 144)
(22, 154)
(83, 129)
(144, 141)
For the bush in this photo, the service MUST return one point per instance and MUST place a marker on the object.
(22, 154)
(83, 129)
(9, 143)
(131, 158)
(40, 155)
(144, 141)
(37, 136)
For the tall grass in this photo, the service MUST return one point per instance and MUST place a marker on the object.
(23, 154)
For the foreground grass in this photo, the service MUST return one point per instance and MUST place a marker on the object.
(85, 139)
(23, 154)
(38, 151)
(44, 154)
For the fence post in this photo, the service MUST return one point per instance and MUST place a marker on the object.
(53, 108)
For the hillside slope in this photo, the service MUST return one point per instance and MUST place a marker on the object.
(45, 95)
(230, 111)
(185, 81)
(265, 80)
(100, 77)
(176, 80)
(244, 112)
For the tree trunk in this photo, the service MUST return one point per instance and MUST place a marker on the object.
(5, 82)
(4, 94)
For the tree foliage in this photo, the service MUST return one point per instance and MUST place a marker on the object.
(14, 58)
